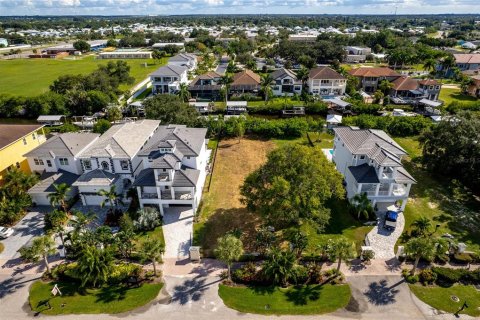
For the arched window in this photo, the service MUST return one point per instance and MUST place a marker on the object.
(105, 166)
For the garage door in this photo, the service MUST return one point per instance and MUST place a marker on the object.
(40, 199)
(93, 200)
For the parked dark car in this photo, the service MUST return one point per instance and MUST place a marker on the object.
(390, 220)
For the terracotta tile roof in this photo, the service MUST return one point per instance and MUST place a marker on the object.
(246, 77)
(373, 72)
(429, 82)
(467, 57)
(324, 73)
(10, 133)
(405, 83)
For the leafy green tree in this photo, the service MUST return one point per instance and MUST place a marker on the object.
(341, 249)
(114, 113)
(226, 81)
(41, 248)
(170, 109)
(81, 220)
(362, 205)
(112, 43)
(302, 75)
(419, 248)
(264, 240)
(60, 195)
(299, 242)
(101, 126)
(158, 55)
(152, 250)
(430, 65)
(238, 128)
(229, 249)
(279, 266)
(94, 265)
(292, 185)
(385, 86)
(422, 226)
(81, 45)
(55, 222)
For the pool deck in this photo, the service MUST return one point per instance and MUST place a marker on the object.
(327, 154)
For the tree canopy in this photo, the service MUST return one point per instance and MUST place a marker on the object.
(170, 109)
(293, 184)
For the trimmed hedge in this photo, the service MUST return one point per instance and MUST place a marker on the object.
(397, 126)
(449, 276)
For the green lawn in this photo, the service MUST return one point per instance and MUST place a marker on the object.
(105, 300)
(287, 100)
(30, 77)
(432, 197)
(448, 95)
(2, 247)
(300, 300)
(156, 233)
(440, 298)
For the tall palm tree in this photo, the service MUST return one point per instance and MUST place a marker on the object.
(430, 65)
(419, 248)
(447, 63)
(279, 266)
(183, 92)
(59, 196)
(362, 205)
(266, 86)
(226, 81)
(341, 249)
(422, 225)
(152, 250)
(94, 265)
(41, 248)
(302, 75)
(111, 196)
(229, 249)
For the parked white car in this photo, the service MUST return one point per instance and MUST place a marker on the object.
(5, 232)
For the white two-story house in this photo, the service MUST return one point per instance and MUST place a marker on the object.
(370, 162)
(285, 82)
(174, 165)
(57, 161)
(326, 82)
(112, 160)
(167, 79)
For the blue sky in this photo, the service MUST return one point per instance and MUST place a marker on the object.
(144, 7)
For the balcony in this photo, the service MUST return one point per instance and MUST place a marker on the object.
(178, 195)
(163, 178)
(146, 195)
(399, 191)
(387, 175)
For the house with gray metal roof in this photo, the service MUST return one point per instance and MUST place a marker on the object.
(174, 167)
(167, 79)
(370, 162)
(285, 82)
(112, 159)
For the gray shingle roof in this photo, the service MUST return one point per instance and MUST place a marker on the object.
(48, 179)
(64, 145)
(189, 141)
(166, 161)
(96, 177)
(146, 178)
(122, 141)
(364, 173)
(169, 70)
(183, 57)
(186, 177)
(282, 73)
(404, 177)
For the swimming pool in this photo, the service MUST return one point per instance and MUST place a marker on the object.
(331, 151)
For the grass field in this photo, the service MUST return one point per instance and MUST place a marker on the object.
(301, 300)
(448, 95)
(432, 197)
(156, 233)
(30, 77)
(105, 300)
(440, 298)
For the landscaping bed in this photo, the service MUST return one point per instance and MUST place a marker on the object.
(108, 299)
(295, 300)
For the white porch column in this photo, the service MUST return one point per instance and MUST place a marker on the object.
(139, 192)
(390, 189)
(359, 189)
(377, 189)
(172, 193)
(159, 194)
(160, 206)
(404, 203)
(407, 191)
(380, 172)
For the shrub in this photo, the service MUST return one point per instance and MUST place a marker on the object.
(120, 273)
(427, 276)
(463, 258)
(300, 274)
(315, 274)
(65, 272)
(448, 276)
(248, 274)
(148, 219)
(412, 279)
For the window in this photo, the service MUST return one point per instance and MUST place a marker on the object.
(17, 165)
(325, 81)
(437, 87)
(105, 166)
(188, 157)
(24, 141)
(33, 136)
(124, 164)
(87, 164)
(362, 157)
(49, 163)
(38, 162)
(63, 161)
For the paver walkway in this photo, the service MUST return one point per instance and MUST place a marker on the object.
(383, 241)
(177, 230)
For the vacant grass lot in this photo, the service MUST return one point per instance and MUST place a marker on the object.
(449, 95)
(301, 300)
(104, 300)
(222, 211)
(440, 298)
(432, 197)
(30, 77)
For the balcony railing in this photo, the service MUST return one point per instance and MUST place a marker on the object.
(163, 178)
(399, 191)
(387, 175)
(146, 195)
(178, 195)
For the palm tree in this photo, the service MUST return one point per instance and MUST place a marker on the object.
(55, 222)
(111, 196)
(266, 86)
(152, 250)
(299, 242)
(419, 248)
(385, 86)
(183, 92)
(447, 63)
(279, 266)
(302, 75)
(430, 65)
(59, 196)
(229, 249)
(94, 265)
(422, 225)
(341, 248)
(362, 205)
(226, 81)
(41, 247)
(81, 221)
